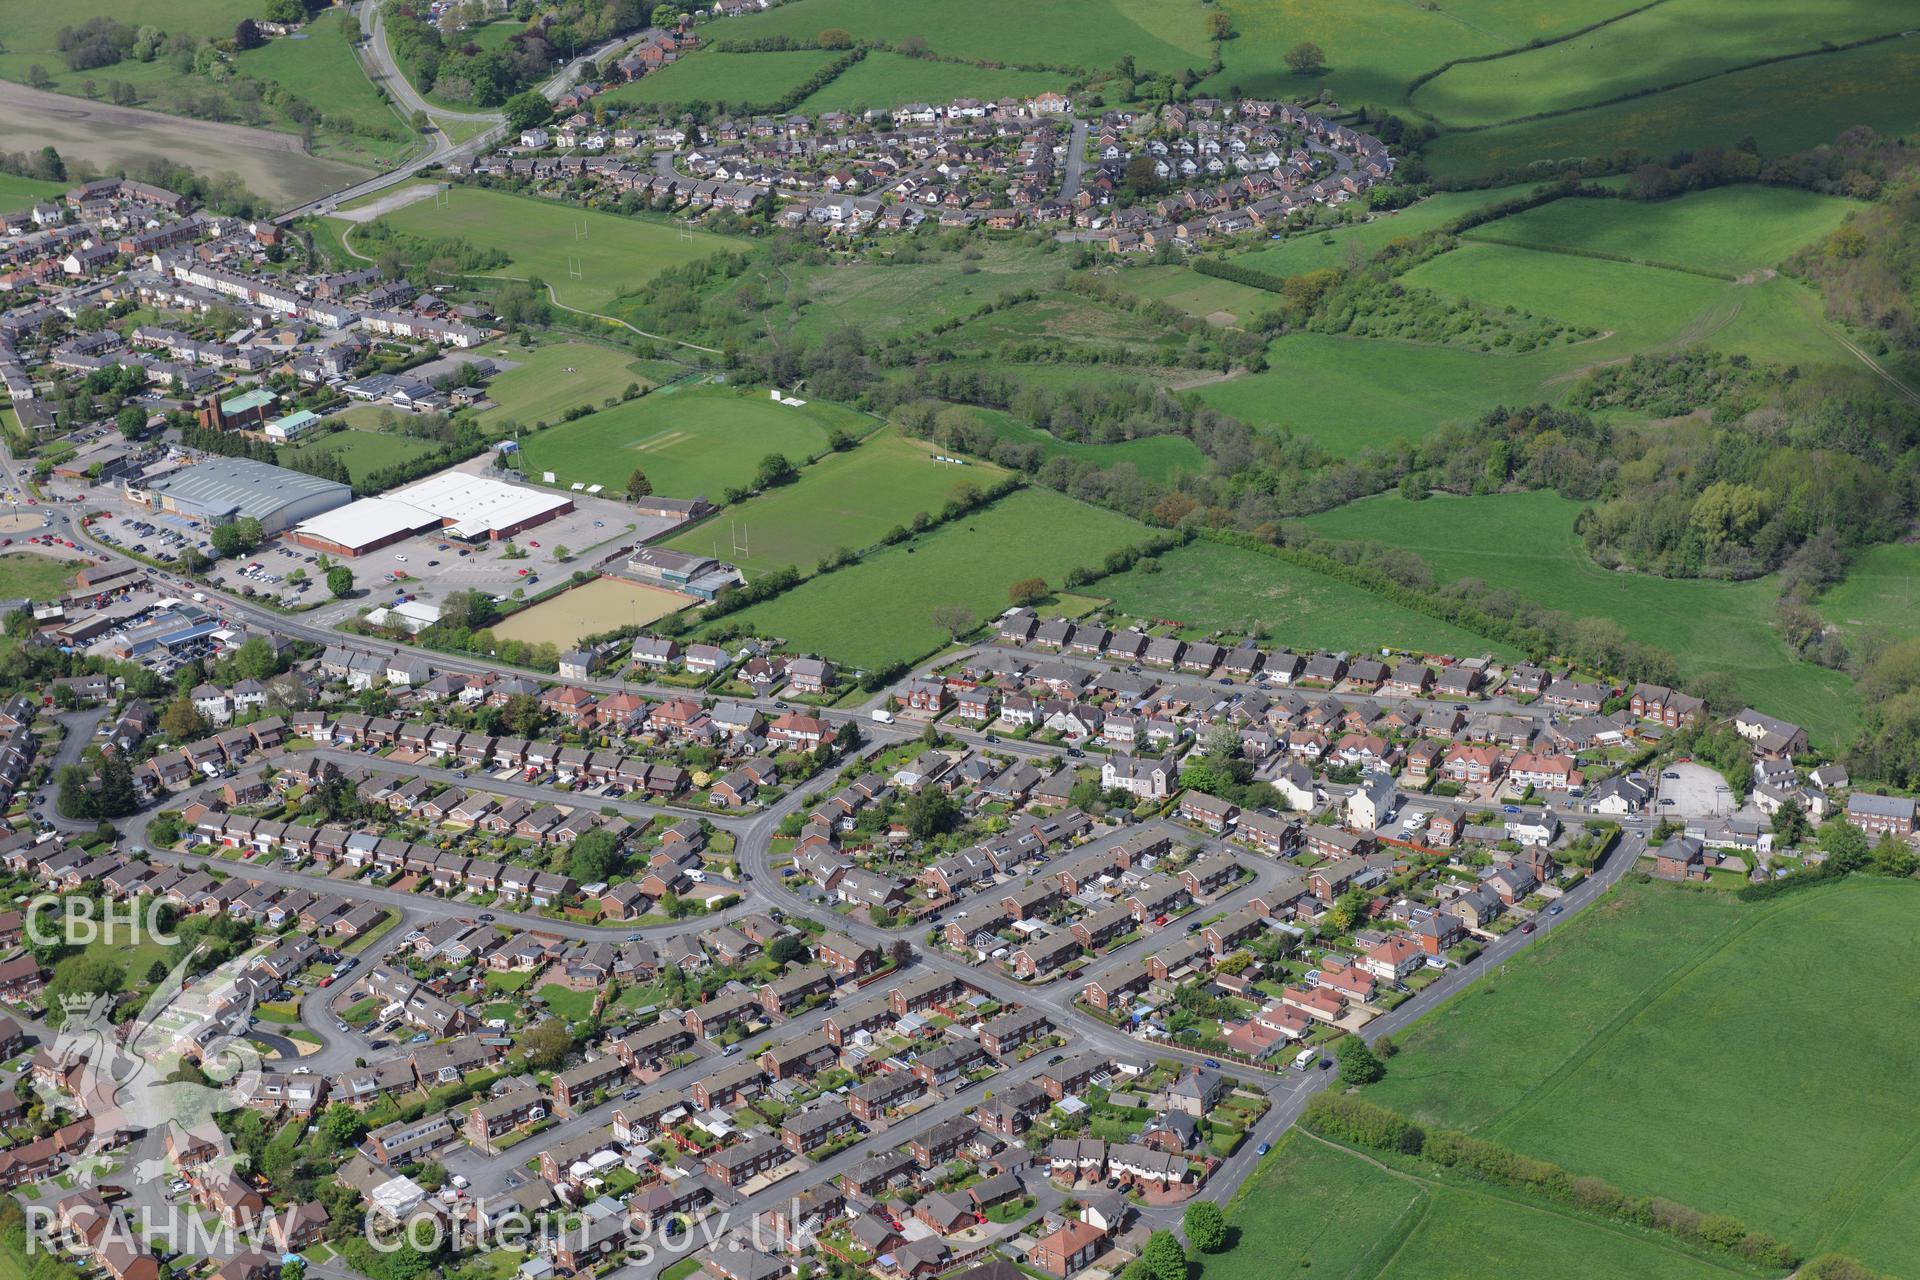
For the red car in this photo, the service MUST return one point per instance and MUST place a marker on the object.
(1527, 927)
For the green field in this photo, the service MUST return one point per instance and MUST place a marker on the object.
(849, 500)
(1208, 297)
(1206, 587)
(878, 611)
(689, 442)
(1729, 229)
(1878, 593)
(547, 381)
(1156, 457)
(888, 79)
(31, 35)
(761, 79)
(1316, 1209)
(363, 452)
(1349, 394)
(36, 577)
(1526, 542)
(24, 193)
(321, 70)
(1786, 106)
(1598, 1051)
(541, 239)
(1663, 44)
(1160, 35)
(1311, 250)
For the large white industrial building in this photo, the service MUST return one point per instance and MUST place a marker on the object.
(458, 505)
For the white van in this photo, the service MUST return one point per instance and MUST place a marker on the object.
(1304, 1060)
(882, 716)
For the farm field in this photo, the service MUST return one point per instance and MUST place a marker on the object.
(1878, 592)
(689, 442)
(1350, 394)
(1324, 1208)
(883, 79)
(1526, 542)
(1607, 1050)
(24, 193)
(1663, 44)
(1160, 35)
(757, 79)
(363, 452)
(878, 611)
(589, 609)
(32, 34)
(1311, 250)
(1156, 457)
(1206, 587)
(540, 237)
(849, 500)
(547, 381)
(1730, 229)
(1788, 106)
(37, 577)
(1208, 297)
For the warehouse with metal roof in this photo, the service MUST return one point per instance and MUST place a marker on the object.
(223, 490)
(458, 504)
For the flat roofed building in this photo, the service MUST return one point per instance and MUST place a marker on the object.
(461, 505)
(223, 490)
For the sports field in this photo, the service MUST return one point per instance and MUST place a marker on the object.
(879, 610)
(36, 577)
(1787, 106)
(1160, 35)
(1663, 44)
(1881, 592)
(1526, 542)
(690, 441)
(883, 80)
(1729, 229)
(363, 452)
(589, 609)
(1320, 1210)
(547, 381)
(1156, 457)
(849, 500)
(542, 238)
(1206, 587)
(1664, 1040)
(757, 79)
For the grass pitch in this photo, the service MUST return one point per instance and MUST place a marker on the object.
(689, 442)
(547, 381)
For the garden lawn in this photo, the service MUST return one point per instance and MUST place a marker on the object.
(567, 1003)
(549, 380)
(1787, 106)
(1607, 1053)
(1663, 44)
(846, 500)
(35, 577)
(757, 80)
(1730, 229)
(363, 452)
(1160, 35)
(878, 611)
(1323, 1210)
(1526, 542)
(541, 238)
(689, 442)
(1878, 592)
(1156, 457)
(888, 79)
(1206, 587)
